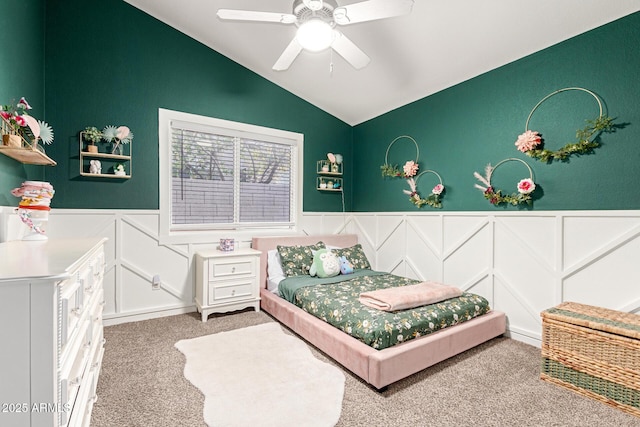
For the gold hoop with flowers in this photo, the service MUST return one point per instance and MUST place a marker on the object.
(530, 142)
(410, 172)
(433, 199)
(409, 169)
(525, 186)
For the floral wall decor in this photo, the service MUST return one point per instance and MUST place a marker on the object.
(525, 186)
(530, 142)
(22, 129)
(410, 173)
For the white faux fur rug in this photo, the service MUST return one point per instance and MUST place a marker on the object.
(260, 376)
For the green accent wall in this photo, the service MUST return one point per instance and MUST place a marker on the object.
(108, 63)
(463, 128)
(21, 74)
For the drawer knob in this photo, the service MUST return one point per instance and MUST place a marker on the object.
(233, 269)
(233, 292)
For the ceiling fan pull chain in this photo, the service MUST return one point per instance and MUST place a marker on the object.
(331, 63)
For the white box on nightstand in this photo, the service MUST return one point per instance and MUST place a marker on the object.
(227, 281)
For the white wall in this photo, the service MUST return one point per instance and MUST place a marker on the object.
(523, 262)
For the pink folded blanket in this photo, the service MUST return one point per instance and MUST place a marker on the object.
(410, 296)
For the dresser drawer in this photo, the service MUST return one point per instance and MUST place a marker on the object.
(230, 267)
(79, 378)
(88, 283)
(94, 314)
(231, 291)
(97, 265)
(71, 302)
(73, 364)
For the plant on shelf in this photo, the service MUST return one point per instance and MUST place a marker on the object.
(18, 126)
(92, 135)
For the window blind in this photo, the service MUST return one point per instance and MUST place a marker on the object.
(229, 177)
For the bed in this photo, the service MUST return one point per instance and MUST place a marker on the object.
(378, 368)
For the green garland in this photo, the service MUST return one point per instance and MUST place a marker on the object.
(392, 171)
(584, 145)
(496, 197)
(432, 200)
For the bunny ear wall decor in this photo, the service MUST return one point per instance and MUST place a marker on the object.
(410, 173)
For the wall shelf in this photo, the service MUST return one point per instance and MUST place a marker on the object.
(27, 156)
(329, 176)
(107, 160)
(27, 153)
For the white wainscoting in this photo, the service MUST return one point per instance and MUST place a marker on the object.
(523, 262)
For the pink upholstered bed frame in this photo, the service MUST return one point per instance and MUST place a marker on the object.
(377, 367)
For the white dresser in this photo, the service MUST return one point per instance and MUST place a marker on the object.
(227, 281)
(51, 333)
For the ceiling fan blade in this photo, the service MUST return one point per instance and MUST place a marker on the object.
(349, 51)
(371, 10)
(290, 53)
(251, 15)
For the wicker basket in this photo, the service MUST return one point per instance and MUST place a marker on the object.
(593, 351)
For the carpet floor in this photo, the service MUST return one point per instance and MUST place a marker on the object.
(494, 384)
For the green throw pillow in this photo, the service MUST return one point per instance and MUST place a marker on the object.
(296, 260)
(355, 255)
(325, 264)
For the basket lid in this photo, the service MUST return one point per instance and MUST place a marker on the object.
(598, 318)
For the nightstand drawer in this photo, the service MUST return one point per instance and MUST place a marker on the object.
(231, 291)
(229, 267)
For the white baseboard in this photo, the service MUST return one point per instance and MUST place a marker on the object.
(116, 319)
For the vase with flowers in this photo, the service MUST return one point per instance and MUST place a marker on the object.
(119, 136)
(21, 130)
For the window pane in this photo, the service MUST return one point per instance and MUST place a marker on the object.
(265, 181)
(202, 178)
(220, 175)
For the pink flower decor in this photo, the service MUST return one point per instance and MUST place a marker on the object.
(528, 141)
(123, 132)
(410, 168)
(24, 104)
(331, 157)
(438, 189)
(20, 120)
(526, 186)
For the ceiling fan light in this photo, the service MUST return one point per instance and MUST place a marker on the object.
(315, 35)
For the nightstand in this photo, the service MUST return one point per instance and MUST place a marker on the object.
(227, 281)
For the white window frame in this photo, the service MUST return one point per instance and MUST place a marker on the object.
(169, 233)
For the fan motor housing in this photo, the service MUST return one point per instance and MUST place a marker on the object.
(303, 13)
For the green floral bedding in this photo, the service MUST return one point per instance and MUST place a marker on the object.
(335, 300)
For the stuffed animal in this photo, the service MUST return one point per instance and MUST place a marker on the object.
(95, 167)
(345, 265)
(325, 264)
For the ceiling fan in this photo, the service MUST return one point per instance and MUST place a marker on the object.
(316, 21)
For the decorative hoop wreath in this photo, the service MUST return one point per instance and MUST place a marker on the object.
(525, 186)
(530, 141)
(410, 172)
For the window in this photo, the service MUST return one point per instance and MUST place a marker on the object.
(222, 175)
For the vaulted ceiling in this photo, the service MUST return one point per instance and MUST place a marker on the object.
(440, 43)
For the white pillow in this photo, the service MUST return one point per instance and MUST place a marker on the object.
(275, 273)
